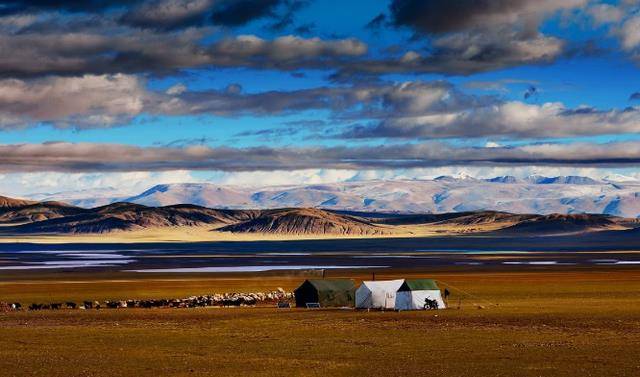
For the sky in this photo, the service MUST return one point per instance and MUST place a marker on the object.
(126, 94)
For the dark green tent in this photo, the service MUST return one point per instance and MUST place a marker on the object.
(326, 292)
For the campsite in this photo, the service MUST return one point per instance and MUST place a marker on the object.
(549, 320)
(413, 294)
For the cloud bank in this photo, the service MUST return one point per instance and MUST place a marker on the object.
(84, 157)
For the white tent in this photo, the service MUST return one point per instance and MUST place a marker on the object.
(377, 294)
(413, 294)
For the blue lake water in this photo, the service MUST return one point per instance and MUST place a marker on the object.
(320, 254)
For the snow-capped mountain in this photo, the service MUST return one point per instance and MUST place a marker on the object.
(503, 179)
(535, 194)
(619, 178)
(569, 180)
(202, 194)
(83, 198)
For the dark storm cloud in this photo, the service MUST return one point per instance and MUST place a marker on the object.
(166, 36)
(468, 36)
(88, 157)
(634, 96)
(460, 54)
(176, 14)
(169, 14)
(100, 50)
(53, 48)
(239, 12)
(441, 16)
(445, 16)
(18, 6)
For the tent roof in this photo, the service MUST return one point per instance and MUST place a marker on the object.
(419, 285)
(388, 285)
(333, 285)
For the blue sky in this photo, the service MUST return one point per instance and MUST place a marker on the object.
(227, 90)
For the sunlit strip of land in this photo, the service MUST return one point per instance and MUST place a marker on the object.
(207, 233)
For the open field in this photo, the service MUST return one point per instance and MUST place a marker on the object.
(552, 321)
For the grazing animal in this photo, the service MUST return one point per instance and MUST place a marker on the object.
(218, 299)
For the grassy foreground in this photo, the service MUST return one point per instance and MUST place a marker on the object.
(547, 322)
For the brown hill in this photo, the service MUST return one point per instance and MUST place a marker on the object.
(6, 202)
(563, 224)
(487, 217)
(23, 216)
(35, 211)
(128, 216)
(84, 223)
(453, 218)
(306, 221)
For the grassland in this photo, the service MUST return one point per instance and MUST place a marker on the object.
(546, 322)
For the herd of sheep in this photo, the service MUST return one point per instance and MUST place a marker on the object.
(224, 300)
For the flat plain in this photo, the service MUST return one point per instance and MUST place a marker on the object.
(534, 321)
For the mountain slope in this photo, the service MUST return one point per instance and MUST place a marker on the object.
(531, 195)
(306, 221)
(6, 202)
(26, 217)
(442, 195)
(33, 211)
(202, 194)
(128, 216)
(564, 224)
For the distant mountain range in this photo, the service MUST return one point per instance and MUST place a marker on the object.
(28, 217)
(614, 195)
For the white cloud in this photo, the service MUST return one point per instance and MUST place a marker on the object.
(133, 183)
(630, 33)
(82, 101)
(176, 89)
(283, 177)
(126, 183)
(515, 119)
(605, 13)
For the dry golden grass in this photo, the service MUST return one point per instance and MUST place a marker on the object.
(544, 323)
